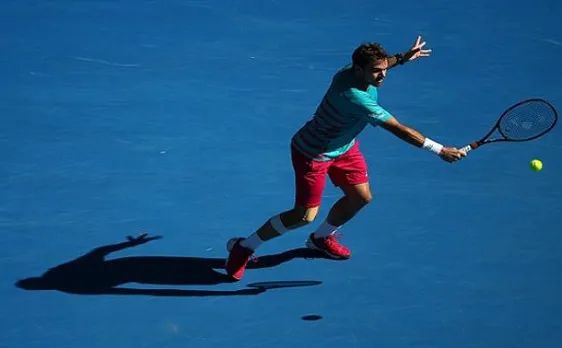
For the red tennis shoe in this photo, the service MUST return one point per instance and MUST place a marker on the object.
(237, 259)
(328, 245)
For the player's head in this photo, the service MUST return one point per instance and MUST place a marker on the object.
(370, 63)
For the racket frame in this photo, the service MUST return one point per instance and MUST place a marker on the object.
(484, 140)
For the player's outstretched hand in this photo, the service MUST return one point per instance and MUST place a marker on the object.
(141, 239)
(451, 154)
(417, 50)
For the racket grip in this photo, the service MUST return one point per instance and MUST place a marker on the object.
(466, 148)
(472, 146)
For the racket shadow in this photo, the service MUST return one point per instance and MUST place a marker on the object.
(92, 274)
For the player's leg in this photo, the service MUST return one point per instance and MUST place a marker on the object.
(355, 197)
(349, 172)
(310, 179)
(279, 224)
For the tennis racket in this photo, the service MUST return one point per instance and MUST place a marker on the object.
(526, 120)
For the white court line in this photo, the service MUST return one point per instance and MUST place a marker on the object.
(105, 62)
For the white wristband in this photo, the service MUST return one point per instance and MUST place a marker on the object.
(432, 146)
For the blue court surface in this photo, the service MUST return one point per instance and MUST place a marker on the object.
(174, 118)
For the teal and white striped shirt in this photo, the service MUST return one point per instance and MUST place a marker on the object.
(343, 113)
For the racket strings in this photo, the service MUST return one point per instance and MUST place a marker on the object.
(528, 120)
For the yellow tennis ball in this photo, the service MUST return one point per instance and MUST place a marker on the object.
(536, 165)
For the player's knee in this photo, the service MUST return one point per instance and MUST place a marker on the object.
(292, 219)
(366, 198)
(361, 199)
(307, 215)
(300, 216)
(358, 195)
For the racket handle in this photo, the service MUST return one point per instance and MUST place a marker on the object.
(472, 146)
(467, 148)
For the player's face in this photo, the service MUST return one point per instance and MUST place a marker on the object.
(374, 73)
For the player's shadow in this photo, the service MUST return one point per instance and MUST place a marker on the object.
(92, 274)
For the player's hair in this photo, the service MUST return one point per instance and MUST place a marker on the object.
(368, 52)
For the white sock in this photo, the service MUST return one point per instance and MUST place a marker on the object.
(325, 229)
(252, 242)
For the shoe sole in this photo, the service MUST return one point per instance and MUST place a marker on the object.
(310, 244)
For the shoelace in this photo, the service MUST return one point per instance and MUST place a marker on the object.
(331, 240)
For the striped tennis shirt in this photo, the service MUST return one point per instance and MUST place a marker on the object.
(342, 114)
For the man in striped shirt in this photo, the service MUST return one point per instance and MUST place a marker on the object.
(326, 147)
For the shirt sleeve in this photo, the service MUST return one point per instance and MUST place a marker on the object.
(367, 107)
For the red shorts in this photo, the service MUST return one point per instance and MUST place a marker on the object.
(310, 176)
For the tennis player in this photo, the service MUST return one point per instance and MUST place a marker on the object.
(326, 147)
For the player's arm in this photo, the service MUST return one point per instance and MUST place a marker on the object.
(415, 138)
(414, 52)
(395, 60)
(378, 116)
(404, 132)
